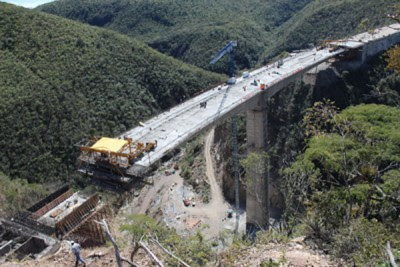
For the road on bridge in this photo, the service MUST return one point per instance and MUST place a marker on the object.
(178, 124)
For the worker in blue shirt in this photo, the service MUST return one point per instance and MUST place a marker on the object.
(76, 249)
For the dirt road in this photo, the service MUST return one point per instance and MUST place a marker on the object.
(217, 199)
(215, 211)
(164, 200)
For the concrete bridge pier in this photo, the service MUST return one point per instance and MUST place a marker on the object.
(257, 183)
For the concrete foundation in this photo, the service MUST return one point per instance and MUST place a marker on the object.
(257, 183)
(19, 242)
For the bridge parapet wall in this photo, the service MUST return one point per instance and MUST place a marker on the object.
(373, 48)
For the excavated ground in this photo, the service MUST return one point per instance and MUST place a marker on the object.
(164, 200)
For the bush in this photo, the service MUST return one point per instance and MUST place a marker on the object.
(16, 195)
(363, 242)
(193, 249)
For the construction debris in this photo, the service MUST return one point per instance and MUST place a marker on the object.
(192, 222)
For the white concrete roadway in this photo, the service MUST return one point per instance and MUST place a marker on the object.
(177, 125)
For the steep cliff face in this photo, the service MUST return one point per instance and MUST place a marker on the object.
(371, 84)
(223, 159)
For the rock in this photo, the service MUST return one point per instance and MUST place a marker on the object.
(298, 240)
(298, 246)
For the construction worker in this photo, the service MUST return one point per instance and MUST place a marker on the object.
(76, 249)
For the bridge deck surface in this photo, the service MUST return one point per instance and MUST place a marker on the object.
(178, 124)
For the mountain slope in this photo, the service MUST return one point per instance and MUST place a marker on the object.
(194, 30)
(190, 30)
(61, 81)
(333, 19)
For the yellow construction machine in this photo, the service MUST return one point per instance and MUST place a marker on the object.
(120, 153)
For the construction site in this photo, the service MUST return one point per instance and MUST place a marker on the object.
(133, 154)
(137, 151)
(123, 160)
(62, 215)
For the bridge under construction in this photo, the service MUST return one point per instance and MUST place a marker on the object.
(249, 94)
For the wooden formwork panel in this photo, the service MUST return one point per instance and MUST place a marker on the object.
(73, 219)
(48, 199)
(42, 211)
(89, 233)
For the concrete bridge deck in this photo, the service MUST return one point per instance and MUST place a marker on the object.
(180, 123)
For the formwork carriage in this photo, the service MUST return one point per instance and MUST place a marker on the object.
(110, 158)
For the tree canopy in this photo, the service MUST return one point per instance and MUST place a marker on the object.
(350, 175)
(61, 81)
(194, 31)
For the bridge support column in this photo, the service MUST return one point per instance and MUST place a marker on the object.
(257, 198)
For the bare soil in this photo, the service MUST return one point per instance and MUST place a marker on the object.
(293, 254)
(164, 201)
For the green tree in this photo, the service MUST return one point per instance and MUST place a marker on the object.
(350, 170)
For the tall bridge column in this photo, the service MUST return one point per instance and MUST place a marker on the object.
(257, 199)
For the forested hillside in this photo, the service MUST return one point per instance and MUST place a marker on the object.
(194, 30)
(61, 81)
(347, 180)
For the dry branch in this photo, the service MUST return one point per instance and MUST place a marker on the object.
(138, 245)
(151, 254)
(129, 262)
(170, 253)
(391, 256)
(108, 233)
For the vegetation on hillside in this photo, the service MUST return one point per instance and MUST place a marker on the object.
(194, 31)
(61, 81)
(194, 250)
(17, 195)
(329, 20)
(346, 184)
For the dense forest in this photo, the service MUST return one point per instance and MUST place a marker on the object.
(61, 81)
(194, 31)
(345, 186)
